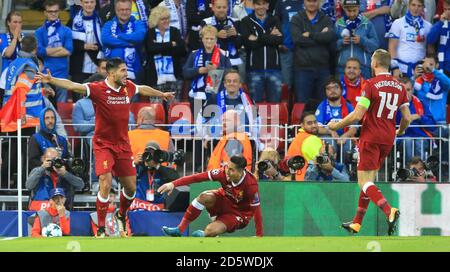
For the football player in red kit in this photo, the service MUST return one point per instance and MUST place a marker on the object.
(112, 151)
(382, 96)
(232, 205)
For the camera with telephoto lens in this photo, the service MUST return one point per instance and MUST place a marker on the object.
(160, 156)
(322, 159)
(58, 162)
(405, 173)
(263, 166)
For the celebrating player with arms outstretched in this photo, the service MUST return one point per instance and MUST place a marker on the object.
(112, 151)
(233, 205)
(381, 97)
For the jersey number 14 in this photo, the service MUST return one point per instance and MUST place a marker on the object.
(389, 101)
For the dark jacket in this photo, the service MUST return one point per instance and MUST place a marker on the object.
(166, 49)
(77, 58)
(194, 18)
(161, 176)
(262, 54)
(313, 51)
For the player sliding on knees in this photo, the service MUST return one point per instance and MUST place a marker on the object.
(112, 151)
(232, 205)
(382, 96)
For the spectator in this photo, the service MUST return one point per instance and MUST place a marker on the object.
(306, 143)
(42, 179)
(196, 11)
(228, 38)
(165, 49)
(378, 12)
(439, 36)
(357, 38)
(147, 131)
(113, 228)
(335, 107)
(150, 176)
(55, 45)
(333, 9)
(87, 44)
(123, 37)
(285, 10)
(45, 138)
(56, 213)
(199, 65)
(420, 116)
(261, 36)
(327, 169)
(178, 20)
(314, 41)
(100, 73)
(432, 89)
(422, 174)
(400, 7)
(233, 97)
(407, 38)
(233, 142)
(10, 41)
(352, 81)
(140, 9)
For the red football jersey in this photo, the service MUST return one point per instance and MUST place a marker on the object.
(112, 110)
(386, 96)
(244, 195)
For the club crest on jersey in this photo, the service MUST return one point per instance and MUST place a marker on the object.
(127, 99)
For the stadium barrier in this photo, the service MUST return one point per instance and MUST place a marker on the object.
(319, 208)
(142, 223)
(186, 137)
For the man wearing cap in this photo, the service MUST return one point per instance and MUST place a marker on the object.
(56, 213)
(150, 176)
(48, 176)
(357, 38)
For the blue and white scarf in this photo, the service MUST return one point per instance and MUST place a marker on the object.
(201, 5)
(230, 50)
(198, 84)
(417, 23)
(54, 40)
(79, 29)
(444, 39)
(163, 64)
(177, 16)
(352, 25)
(142, 10)
(129, 53)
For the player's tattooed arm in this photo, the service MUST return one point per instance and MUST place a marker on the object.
(62, 83)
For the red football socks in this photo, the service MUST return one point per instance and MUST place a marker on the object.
(125, 202)
(192, 212)
(102, 209)
(377, 197)
(363, 203)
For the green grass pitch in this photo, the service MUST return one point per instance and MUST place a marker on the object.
(228, 244)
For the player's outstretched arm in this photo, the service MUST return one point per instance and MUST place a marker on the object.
(405, 121)
(168, 187)
(62, 83)
(350, 119)
(149, 91)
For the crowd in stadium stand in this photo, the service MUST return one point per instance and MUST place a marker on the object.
(309, 57)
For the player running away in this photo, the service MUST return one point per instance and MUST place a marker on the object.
(112, 151)
(382, 96)
(232, 205)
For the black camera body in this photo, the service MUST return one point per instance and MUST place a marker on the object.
(59, 162)
(405, 173)
(263, 166)
(322, 159)
(160, 156)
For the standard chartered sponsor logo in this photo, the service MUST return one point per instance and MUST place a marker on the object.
(411, 201)
(117, 100)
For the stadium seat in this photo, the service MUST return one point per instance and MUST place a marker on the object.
(159, 108)
(179, 110)
(296, 114)
(65, 111)
(285, 94)
(268, 111)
